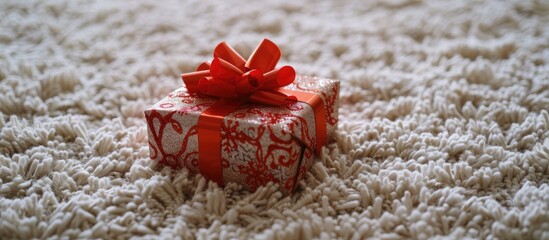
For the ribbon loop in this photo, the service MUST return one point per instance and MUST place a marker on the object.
(281, 77)
(227, 53)
(265, 56)
(192, 79)
(203, 66)
(229, 75)
(223, 70)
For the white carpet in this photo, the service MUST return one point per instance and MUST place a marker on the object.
(444, 123)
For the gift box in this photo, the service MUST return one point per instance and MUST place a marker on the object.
(267, 129)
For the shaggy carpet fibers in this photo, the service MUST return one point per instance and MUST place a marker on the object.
(443, 132)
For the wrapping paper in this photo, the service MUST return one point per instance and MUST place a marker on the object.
(259, 143)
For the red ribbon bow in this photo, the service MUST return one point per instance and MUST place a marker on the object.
(230, 76)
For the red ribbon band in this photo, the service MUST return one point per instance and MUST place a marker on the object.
(236, 80)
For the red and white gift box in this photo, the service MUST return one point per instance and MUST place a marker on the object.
(255, 143)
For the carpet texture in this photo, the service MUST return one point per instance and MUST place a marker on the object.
(443, 132)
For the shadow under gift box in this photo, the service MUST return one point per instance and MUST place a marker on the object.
(259, 143)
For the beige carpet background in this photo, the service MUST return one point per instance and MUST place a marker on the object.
(444, 123)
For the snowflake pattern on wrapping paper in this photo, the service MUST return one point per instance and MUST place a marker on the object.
(280, 153)
(256, 173)
(233, 136)
(297, 126)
